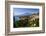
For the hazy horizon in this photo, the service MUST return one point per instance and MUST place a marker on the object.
(24, 11)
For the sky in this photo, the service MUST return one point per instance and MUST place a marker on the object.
(20, 11)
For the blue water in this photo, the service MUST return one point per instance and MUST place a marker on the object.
(17, 18)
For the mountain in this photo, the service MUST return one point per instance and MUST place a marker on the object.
(25, 14)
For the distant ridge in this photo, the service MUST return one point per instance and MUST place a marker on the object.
(28, 14)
